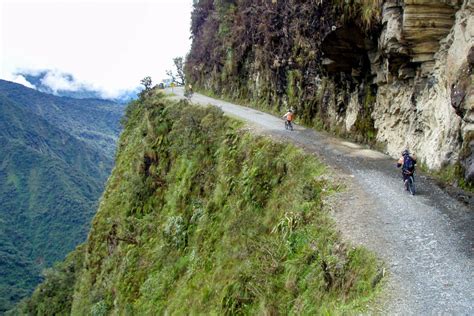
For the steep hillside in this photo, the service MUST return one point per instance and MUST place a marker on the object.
(50, 181)
(201, 217)
(391, 73)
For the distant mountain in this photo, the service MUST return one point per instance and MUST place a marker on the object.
(55, 156)
(40, 80)
(94, 121)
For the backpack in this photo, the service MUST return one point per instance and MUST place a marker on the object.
(408, 164)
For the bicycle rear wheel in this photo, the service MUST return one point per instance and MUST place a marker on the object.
(411, 185)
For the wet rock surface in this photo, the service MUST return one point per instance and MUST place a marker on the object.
(426, 240)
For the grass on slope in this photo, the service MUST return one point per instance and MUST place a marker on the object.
(200, 216)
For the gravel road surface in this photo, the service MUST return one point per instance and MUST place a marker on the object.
(426, 240)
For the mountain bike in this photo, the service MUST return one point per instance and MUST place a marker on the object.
(410, 184)
(288, 125)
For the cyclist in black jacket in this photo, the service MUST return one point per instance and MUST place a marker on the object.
(408, 162)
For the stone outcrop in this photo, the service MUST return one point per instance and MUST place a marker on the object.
(424, 97)
(421, 67)
(398, 75)
(425, 23)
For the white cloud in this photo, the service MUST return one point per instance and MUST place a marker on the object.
(60, 81)
(55, 81)
(111, 45)
(19, 79)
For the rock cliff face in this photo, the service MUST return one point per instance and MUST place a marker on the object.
(396, 73)
(423, 76)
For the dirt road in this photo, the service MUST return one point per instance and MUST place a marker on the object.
(426, 240)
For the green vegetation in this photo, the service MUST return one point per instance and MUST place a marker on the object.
(146, 83)
(177, 74)
(367, 13)
(364, 125)
(201, 217)
(450, 175)
(55, 294)
(50, 181)
(453, 175)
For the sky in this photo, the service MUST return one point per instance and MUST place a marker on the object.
(109, 45)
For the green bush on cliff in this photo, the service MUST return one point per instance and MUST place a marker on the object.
(201, 217)
(54, 295)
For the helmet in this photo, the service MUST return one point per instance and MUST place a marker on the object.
(405, 152)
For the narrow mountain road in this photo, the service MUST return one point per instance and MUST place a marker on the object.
(426, 240)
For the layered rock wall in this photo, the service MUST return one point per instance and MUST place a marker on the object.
(423, 80)
(398, 75)
(414, 105)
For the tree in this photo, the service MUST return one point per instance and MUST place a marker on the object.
(178, 63)
(146, 82)
(178, 75)
(170, 74)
